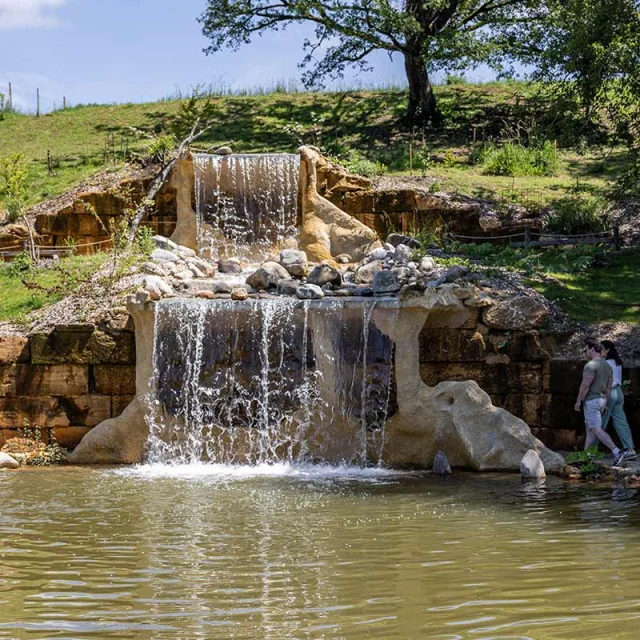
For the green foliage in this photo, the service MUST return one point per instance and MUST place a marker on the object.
(160, 147)
(13, 179)
(455, 79)
(356, 162)
(628, 184)
(574, 215)
(513, 158)
(195, 113)
(585, 460)
(21, 266)
(598, 295)
(567, 259)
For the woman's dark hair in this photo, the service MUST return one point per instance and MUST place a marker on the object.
(613, 352)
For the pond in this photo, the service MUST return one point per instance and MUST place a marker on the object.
(313, 552)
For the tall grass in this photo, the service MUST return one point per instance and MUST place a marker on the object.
(512, 158)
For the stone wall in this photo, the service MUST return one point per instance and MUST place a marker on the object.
(519, 372)
(88, 219)
(65, 382)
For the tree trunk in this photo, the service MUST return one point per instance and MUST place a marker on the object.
(422, 106)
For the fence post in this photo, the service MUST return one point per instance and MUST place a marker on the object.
(616, 237)
(527, 237)
(10, 98)
(37, 103)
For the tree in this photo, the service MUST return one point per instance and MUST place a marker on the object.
(429, 34)
(589, 50)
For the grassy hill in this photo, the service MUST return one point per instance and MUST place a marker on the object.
(356, 126)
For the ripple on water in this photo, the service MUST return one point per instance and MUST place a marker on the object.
(284, 551)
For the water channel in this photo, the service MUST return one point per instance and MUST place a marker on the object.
(274, 551)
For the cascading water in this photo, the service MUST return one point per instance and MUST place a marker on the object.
(268, 380)
(245, 204)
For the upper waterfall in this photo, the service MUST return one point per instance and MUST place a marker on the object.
(245, 203)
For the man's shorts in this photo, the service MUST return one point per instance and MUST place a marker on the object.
(593, 412)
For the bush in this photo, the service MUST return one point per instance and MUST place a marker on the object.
(575, 215)
(515, 159)
(358, 163)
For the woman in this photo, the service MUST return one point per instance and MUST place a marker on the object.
(615, 408)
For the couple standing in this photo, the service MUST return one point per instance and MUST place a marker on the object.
(601, 391)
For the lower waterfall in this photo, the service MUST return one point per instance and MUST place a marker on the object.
(269, 380)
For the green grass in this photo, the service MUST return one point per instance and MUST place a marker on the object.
(280, 122)
(610, 294)
(16, 300)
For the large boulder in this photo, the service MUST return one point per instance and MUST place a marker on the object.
(7, 461)
(267, 276)
(385, 282)
(310, 292)
(517, 314)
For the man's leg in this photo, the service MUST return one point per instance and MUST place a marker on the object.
(590, 438)
(604, 437)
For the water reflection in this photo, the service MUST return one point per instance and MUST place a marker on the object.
(107, 554)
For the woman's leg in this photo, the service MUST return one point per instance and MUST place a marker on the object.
(619, 419)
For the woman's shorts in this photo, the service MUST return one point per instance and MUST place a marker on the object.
(593, 412)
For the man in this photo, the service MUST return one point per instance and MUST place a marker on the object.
(594, 391)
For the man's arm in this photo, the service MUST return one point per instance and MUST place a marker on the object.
(587, 379)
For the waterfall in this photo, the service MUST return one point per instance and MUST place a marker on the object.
(245, 203)
(268, 380)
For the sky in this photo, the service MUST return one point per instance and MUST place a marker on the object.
(110, 51)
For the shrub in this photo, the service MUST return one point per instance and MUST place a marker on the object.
(358, 163)
(13, 178)
(515, 159)
(574, 215)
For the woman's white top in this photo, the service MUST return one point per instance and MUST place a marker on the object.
(617, 373)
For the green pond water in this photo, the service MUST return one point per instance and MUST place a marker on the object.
(275, 552)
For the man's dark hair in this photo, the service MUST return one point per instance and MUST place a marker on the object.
(596, 346)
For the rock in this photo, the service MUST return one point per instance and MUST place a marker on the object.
(441, 464)
(223, 151)
(207, 294)
(287, 287)
(193, 287)
(162, 256)
(206, 267)
(164, 243)
(531, 466)
(452, 274)
(310, 292)
(518, 313)
(323, 274)
(397, 239)
(385, 282)
(229, 265)
(156, 287)
(267, 276)
(389, 247)
(7, 462)
(185, 252)
(427, 264)
(195, 271)
(152, 268)
(378, 254)
(365, 273)
(239, 293)
(403, 253)
(365, 292)
(479, 300)
(344, 258)
(402, 273)
(295, 262)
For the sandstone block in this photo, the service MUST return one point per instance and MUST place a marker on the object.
(69, 437)
(565, 377)
(43, 411)
(43, 380)
(451, 345)
(518, 313)
(119, 404)
(113, 379)
(14, 349)
(82, 345)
